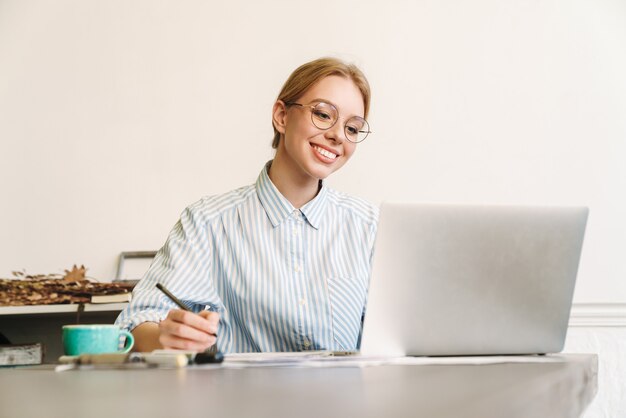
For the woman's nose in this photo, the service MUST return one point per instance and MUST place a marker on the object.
(336, 132)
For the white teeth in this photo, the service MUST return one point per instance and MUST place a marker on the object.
(325, 153)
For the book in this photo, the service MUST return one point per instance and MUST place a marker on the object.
(21, 354)
(116, 298)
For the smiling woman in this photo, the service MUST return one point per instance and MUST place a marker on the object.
(307, 153)
(281, 265)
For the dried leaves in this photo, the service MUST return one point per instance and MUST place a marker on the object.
(75, 275)
(42, 289)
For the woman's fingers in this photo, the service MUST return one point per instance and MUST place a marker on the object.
(181, 330)
(213, 318)
(197, 321)
(188, 331)
(169, 341)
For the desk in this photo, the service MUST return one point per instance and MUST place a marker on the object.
(511, 390)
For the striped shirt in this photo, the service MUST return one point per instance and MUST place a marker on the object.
(282, 279)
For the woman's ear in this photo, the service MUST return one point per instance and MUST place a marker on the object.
(279, 116)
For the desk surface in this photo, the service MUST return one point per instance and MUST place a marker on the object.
(558, 389)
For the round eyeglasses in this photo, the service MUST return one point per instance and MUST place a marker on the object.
(325, 115)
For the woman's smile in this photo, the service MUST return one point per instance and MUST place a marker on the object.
(324, 154)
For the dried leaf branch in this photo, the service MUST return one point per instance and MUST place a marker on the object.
(47, 289)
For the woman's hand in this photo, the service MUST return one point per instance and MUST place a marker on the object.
(183, 330)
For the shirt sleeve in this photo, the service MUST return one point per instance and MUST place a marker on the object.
(183, 266)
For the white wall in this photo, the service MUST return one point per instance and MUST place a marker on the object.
(116, 115)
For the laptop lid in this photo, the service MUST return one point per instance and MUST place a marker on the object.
(472, 280)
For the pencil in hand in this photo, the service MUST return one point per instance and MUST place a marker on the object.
(211, 354)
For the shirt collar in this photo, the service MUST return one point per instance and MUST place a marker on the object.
(278, 207)
(314, 210)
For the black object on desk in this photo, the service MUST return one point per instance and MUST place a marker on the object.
(211, 354)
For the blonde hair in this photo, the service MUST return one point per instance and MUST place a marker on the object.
(310, 73)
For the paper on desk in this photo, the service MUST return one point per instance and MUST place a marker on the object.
(294, 356)
(327, 359)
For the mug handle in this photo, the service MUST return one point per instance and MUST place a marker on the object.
(128, 344)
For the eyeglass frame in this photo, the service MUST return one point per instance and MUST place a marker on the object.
(313, 106)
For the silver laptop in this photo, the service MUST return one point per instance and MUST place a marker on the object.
(472, 280)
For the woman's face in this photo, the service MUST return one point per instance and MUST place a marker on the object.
(316, 152)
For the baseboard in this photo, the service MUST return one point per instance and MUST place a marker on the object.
(598, 315)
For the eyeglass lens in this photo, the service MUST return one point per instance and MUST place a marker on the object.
(325, 115)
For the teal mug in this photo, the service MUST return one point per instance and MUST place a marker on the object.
(95, 339)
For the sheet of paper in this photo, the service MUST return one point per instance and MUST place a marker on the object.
(327, 359)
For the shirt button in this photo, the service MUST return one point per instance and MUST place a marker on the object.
(302, 302)
(295, 231)
(297, 268)
(307, 343)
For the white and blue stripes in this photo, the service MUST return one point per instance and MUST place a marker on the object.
(282, 279)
